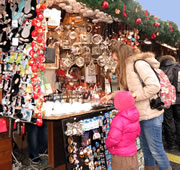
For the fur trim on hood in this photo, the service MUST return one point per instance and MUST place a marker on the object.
(167, 57)
(148, 56)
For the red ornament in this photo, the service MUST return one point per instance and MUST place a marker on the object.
(38, 10)
(40, 16)
(41, 66)
(43, 46)
(40, 32)
(153, 36)
(37, 88)
(40, 52)
(41, 58)
(34, 22)
(35, 96)
(34, 33)
(171, 29)
(35, 76)
(105, 5)
(33, 44)
(43, 6)
(31, 52)
(138, 20)
(39, 122)
(34, 68)
(156, 24)
(38, 24)
(39, 39)
(34, 56)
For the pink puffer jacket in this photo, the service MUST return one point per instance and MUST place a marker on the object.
(124, 130)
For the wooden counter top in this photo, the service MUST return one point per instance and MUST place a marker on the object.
(76, 114)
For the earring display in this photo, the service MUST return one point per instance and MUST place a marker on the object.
(87, 150)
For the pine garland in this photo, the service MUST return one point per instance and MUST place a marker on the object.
(167, 31)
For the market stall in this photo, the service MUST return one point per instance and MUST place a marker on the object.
(56, 64)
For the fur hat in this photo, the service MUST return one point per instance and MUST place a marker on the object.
(124, 100)
(167, 57)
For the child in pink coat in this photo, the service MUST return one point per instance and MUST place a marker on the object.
(125, 128)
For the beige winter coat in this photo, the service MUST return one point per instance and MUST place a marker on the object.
(152, 85)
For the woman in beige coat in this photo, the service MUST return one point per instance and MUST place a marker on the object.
(150, 119)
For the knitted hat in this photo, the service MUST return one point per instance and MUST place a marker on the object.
(124, 100)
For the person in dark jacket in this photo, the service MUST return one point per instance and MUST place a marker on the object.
(171, 122)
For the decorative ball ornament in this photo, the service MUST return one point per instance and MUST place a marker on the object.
(105, 5)
(171, 29)
(39, 39)
(39, 122)
(35, 96)
(38, 10)
(156, 24)
(153, 36)
(138, 20)
(34, 68)
(40, 16)
(41, 66)
(43, 6)
(117, 11)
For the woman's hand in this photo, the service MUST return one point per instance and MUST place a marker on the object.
(106, 99)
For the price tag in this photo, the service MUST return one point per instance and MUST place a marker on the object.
(47, 13)
(15, 41)
(15, 23)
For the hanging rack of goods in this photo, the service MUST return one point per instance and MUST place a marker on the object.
(36, 61)
(22, 47)
(132, 13)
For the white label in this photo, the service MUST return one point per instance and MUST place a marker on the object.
(14, 23)
(55, 17)
(47, 13)
(15, 41)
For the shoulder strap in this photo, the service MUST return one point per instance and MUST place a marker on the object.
(135, 70)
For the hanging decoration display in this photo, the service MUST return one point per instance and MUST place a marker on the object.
(36, 61)
(167, 34)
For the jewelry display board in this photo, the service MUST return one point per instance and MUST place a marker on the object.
(85, 148)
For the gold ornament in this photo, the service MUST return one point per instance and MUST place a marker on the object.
(117, 11)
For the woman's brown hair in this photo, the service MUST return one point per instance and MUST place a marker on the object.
(123, 51)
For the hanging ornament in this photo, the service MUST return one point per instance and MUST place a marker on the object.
(156, 24)
(39, 122)
(136, 10)
(40, 16)
(171, 29)
(117, 11)
(105, 5)
(34, 33)
(39, 39)
(124, 9)
(138, 20)
(146, 12)
(153, 36)
(147, 18)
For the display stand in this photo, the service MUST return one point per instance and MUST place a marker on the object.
(57, 140)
